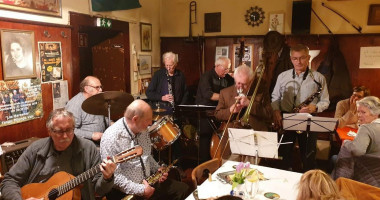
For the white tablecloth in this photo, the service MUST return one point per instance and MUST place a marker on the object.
(282, 182)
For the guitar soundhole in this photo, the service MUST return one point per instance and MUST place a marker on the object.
(53, 194)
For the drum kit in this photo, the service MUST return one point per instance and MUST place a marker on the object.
(163, 132)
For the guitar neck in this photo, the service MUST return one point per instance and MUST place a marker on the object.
(78, 180)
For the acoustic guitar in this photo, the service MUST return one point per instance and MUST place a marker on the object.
(63, 185)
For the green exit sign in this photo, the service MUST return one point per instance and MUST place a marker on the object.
(104, 22)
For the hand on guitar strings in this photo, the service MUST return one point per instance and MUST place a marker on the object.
(107, 167)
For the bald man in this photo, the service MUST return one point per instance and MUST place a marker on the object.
(87, 125)
(130, 176)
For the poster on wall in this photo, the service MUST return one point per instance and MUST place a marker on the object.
(369, 57)
(20, 101)
(60, 94)
(247, 58)
(50, 61)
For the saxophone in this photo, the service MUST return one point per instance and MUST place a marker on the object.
(309, 99)
(170, 89)
(153, 179)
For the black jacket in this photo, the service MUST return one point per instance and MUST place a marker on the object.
(154, 92)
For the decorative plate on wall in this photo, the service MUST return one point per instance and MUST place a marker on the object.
(255, 16)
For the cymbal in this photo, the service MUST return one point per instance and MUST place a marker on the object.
(98, 104)
(157, 117)
(158, 110)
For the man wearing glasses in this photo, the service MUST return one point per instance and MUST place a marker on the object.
(210, 84)
(87, 125)
(62, 151)
(294, 87)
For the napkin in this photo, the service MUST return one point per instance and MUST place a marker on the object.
(351, 134)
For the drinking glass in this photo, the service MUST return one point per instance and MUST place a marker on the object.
(252, 185)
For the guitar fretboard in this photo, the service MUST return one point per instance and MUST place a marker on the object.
(78, 180)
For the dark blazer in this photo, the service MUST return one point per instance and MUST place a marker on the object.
(154, 91)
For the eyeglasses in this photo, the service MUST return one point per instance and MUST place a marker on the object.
(96, 87)
(303, 58)
(62, 132)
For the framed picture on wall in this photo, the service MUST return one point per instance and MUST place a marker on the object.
(221, 51)
(374, 14)
(51, 7)
(146, 36)
(145, 64)
(155, 69)
(247, 58)
(276, 22)
(18, 54)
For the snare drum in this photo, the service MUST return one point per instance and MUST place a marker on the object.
(163, 133)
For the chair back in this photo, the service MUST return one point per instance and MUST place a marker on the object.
(200, 172)
(351, 189)
(367, 169)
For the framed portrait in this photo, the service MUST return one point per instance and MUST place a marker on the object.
(154, 69)
(18, 54)
(145, 64)
(46, 7)
(146, 36)
(374, 14)
(221, 52)
(247, 58)
(276, 22)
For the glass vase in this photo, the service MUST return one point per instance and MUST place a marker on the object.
(238, 191)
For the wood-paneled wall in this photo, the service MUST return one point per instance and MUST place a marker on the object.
(349, 46)
(36, 127)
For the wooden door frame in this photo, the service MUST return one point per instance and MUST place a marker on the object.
(76, 21)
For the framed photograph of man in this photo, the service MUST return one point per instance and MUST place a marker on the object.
(18, 54)
(41, 7)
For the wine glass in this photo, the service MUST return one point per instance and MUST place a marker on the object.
(252, 184)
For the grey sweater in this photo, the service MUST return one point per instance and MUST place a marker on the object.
(29, 165)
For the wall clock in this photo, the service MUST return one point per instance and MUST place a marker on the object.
(255, 16)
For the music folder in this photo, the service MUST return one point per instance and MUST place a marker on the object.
(249, 142)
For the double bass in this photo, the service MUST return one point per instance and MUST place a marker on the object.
(218, 144)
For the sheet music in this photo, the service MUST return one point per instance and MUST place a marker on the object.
(267, 144)
(323, 124)
(300, 121)
(295, 121)
(242, 141)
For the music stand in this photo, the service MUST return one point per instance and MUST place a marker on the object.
(307, 122)
(199, 109)
(253, 143)
(301, 122)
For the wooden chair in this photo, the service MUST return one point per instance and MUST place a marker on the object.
(200, 172)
